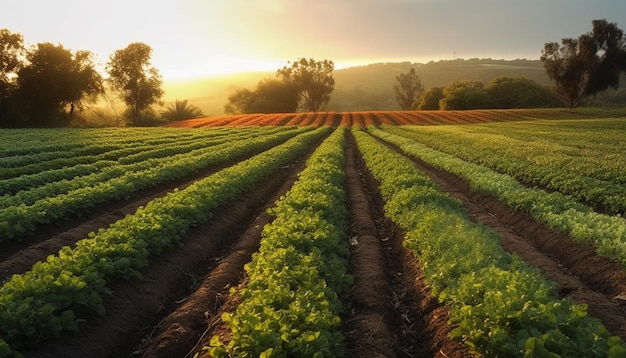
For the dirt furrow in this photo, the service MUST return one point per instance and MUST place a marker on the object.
(17, 256)
(136, 306)
(576, 269)
(392, 311)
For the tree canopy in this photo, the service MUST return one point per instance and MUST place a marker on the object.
(270, 96)
(429, 100)
(521, 92)
(134, 77)
(465, 95)
(590, 64)
(313, 81)
(408, 88)
(55, 79)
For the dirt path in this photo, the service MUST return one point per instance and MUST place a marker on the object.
(137, 306)
(392, 313)
(575, 268)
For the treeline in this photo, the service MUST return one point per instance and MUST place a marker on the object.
(45, 85)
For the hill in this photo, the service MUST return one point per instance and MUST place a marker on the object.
(359, 88)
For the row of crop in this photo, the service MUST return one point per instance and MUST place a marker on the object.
(591, 176)
(129, 144)
(291, 305)
(562, 213)
(129, 156)
(67, 143)
(22, 219)
(57, 293)
(499, 306)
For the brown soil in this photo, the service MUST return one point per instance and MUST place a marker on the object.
(392, 311)
(577, 270)
(137, 306)
(389, 311)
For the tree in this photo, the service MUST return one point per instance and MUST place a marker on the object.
(134, 77)
(54, 80)
(313, 81)
(590, 64)
(408, 89)
(466, 95)
(520, 92)
(11, 53)
(269, 96)
(430, 99)
(181, 110)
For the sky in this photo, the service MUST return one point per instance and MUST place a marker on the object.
(192, 38)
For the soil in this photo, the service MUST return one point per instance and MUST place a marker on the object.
(175, 307)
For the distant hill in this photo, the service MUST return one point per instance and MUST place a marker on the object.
(367, 87)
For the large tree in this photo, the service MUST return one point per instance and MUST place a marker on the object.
(134, 77)
(11, 53)
(313, 81)
(429, 100)
(55, 80)
(465, 95)
(521, 92)
(408, 88)
(590, 64)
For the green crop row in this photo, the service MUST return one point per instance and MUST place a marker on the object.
(87, 192)
(554, 156)
(290, 306)
(606, 233)
(57, 181)
(57, 293)
(128, 148)
(498, 305)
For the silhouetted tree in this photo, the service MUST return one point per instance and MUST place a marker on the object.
(181, 110)
(585, 66)
(269, 96)
(430, 99)
(313, 81)
(408, 89)
(134, 77)
(521, 92)
(55, 80)
(466, 95)
(11, 53)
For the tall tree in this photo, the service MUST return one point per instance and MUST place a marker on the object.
(11, 53)
(408, 89)
(55, 79)
(590, 64)
(313, 81)
(134, 77)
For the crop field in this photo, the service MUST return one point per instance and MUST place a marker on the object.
(357, 234)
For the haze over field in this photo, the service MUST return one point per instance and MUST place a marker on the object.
(193, 38)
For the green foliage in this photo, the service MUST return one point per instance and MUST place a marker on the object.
(132, 75)
(500, 306)
(291, 304)
(270, 96)
(55, 294)
(181, 110)
(313, 80)
(521, 92)
(465, 95)
(430, 99)
(590, 64)
(53, 79)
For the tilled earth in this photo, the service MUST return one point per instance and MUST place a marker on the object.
(175, 308)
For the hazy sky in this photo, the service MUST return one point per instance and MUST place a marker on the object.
(197, 37)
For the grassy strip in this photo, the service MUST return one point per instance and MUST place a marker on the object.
(23, 219)
(500, 306)
(290, 306)
(55, 294)
(607, 233)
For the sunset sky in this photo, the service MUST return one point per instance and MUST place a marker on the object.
(204, 37)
